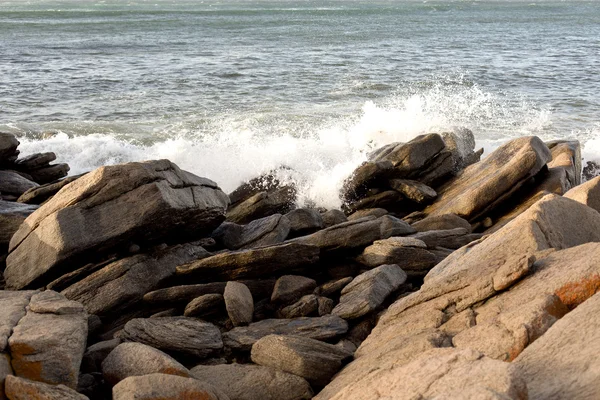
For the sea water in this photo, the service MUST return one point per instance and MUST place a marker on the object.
(232, 89)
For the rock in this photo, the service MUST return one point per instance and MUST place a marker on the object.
(368, 173)
(305, 307)
(12, 216)
(461, 143)
(304, 221)
(253, 263)
(14, 184)
(332, 287)
(375, 212)
(5, 370)
(12, 310)
(162, 386)
(333, 217)
(96, 354)
(239, 303)
(8, 148)
(321, 328)
(34, 161)
(254, 382)
(18, 388)
(441, 167)
(204, 305)
(311, 359)
(441, 222)
(413, 190)
(290, 288)
(566, 154)
(449, 239)
(438, 372)
(261, 232)
(49, 173)
(392, 226)
(388, 199)
(590, 171)
(408, 253)
(175, 335)
(123, 283)
(136, 359)
(484, 185)
(39, 194)
(140, 202)
(325, 305)
(368, 291)
(263, 204)
(48, 345)
(560, 364)
(587, 193)
(68, 279)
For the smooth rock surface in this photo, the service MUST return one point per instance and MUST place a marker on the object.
(12, 216)
(12, 309)
(408, 253)
(304, 221)
(449, 238)
(204, 305)
(278, 201)
(290, 288)
(260, 232)
(239, 303)
(18, 388)
(14, 184)
(40, 194)
(587, 193)
(441, 222)
(165, 387)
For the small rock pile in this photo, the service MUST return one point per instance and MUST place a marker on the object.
(444, 277)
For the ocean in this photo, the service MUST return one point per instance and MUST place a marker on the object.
(232, 89)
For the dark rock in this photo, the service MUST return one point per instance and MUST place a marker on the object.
(204, 305)
(263, 204)
(40, 194)
(254, 382)
(413, 190)
(449, 239)
(332, 287)
(333, 217)
(389, 199)
(461, 143)
(163, 386)
(368, 291)
(442, 222)
(253, 263)
(50, 173)
(177, 335)
(34, 161)
(321, 328)
(325, 305)
(18, 388)
(290, 288)
(311, 359)
(368, 212)
(68, 279)
(392, 226)
(8, 148)
(566, 154)
(368, 173)
(304, 221)
(108, 209)
(261, 232)
(305, 307)
(96, 354)
(169, 312)
(410, 254)
(12, 216)
(12, 183)
(239, 303)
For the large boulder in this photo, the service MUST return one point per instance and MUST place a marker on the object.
(163, 386)
(254, 382)
(106, 210)
(484, 185)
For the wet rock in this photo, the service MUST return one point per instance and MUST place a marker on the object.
(208, 304)
(319, 328)
(449, 239)
(136, 359)
(290, 288)
(123, 283)
(14, 184)
(484, 185)
(279, 201)
(333, 217)
(388, 199)
(175, 335)
(587, 193)
(442, 222)
(48, 345)
(12, 216)
(254, 382)
(311, 359)
(18, 388)
(139, 202)
(413, 190)
(253, 263)
(34, 161)
(261, 232)
(8, 148)
(332, 287)
(561, 364)
(96, 354)
(40, 194)
(368, 173)
(368, 291)
(408, 253)
(461, 143)
(304, 221)
(375, 212)
(239, 303)
(305, 307)
(162, 386)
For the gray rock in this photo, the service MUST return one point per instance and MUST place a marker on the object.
(368, 291)
(263, 204)
(34, 161)
(208, 304)
(12, 309)
(325, 305)
(49, 173)
(5, 370)
(321, 328)
(587, 193)
(304, 221)
(48, 346)
(332, 287)
(305, 307)
(96, 354)
(261, 232)
(367, 212)
(364, 175)
(290, 288)
(8, 147)
(442, 222)
(239, 303)
(14, 184)
(12, 216)
(392, 226)
(162, 386)
(566, 155)
(413, 190)
(176, 335)
(123, 283)
(18, 388)
(40, 194)
(254, 382)
(253, 263)
(333, 217)
(107, 209)
(408, 253)
(461, 143)
(311, 359)
(387, 199)
(137, 359)
(449, 239)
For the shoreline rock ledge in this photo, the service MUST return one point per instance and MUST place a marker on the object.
(443, 276)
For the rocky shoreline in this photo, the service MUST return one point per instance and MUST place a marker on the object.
(443, 276)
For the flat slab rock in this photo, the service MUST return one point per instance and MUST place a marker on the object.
(254, 382)
(319, 328)
(368, 291)
(162, 386)
(179, 335)
(107, 209)
(260, 232)
(408, 253)
(18, 388)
